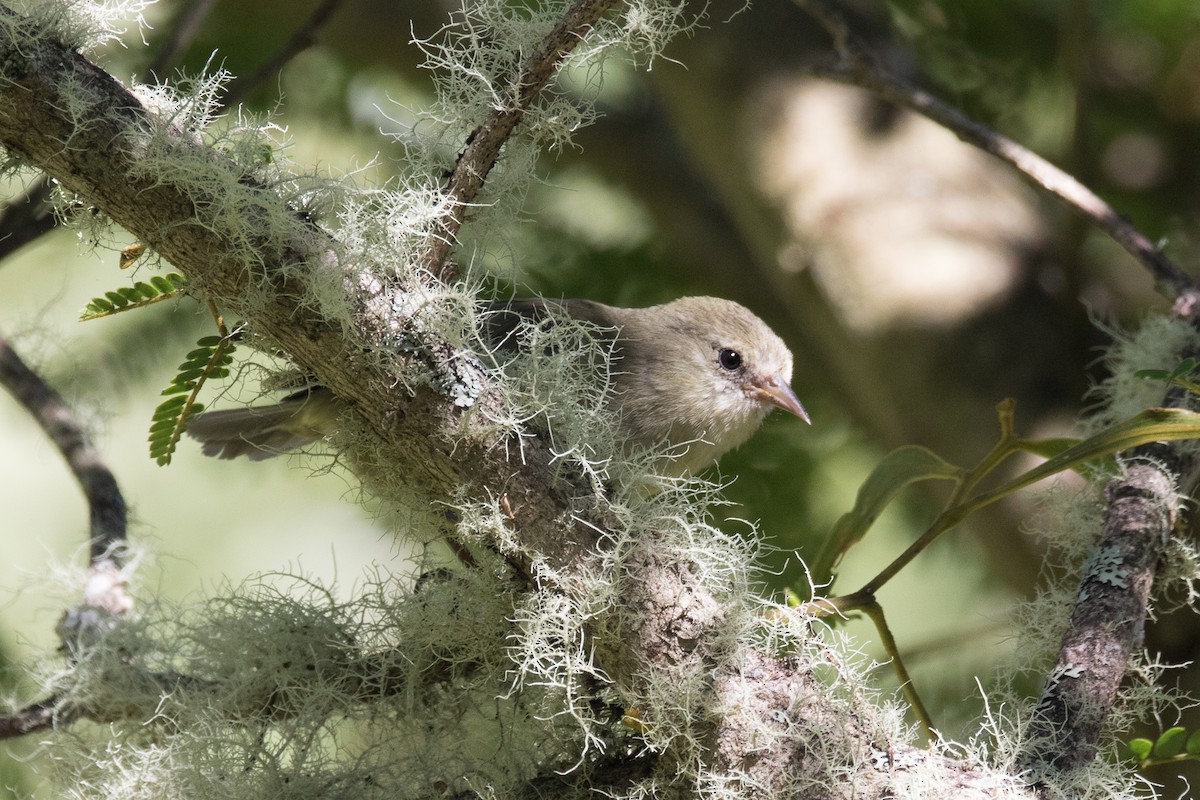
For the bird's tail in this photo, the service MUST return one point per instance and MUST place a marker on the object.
(260, 432)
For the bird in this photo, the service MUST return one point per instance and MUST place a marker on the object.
(695, 376)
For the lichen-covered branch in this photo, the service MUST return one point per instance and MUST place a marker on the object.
(1106, 628)
(484, 145)
(1104, 636)
(754, 717)
(34, 717)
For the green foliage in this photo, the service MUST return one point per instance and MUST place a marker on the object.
(1172, 745)
(1180, 376)
(141, 294)
(210, 359)
(898, 470)
(909, 465)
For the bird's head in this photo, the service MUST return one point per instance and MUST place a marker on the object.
(703, 372)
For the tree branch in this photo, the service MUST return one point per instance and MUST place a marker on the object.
(25, 218)
(104, 594)
(483, 146)
(30, 719)
(1106, 627)
(856, 66)
(766, 721)
(106, 505)
(181, 35)
(303, 38)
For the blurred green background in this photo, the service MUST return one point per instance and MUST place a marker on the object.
(918, 281)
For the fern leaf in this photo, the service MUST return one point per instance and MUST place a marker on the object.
(210, 359)
(127, 298)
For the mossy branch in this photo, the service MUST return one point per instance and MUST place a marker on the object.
(763, 720)
(483, 146)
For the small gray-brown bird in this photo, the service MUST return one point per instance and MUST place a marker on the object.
(698, 375)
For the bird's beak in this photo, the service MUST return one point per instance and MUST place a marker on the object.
(775, 391)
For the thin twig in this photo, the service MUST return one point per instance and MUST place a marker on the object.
(856, 66)
(484, 143)
(303, 38)
(34, 717)
(875, 612)
(181, 36)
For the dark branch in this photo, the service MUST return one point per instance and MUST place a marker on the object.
(35, 717)
(25, 218)
(483, 147)
(180, 37)
(856, 66)
(303, 38)
(105, 587)
(47, 406)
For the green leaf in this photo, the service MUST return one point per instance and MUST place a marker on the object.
(898, 469)
(169, 409)
(1051, 448)
(1047, 448)
(1153, 374)
(170, 419)
(189, 373)
(1185, 367)
(1151, 425)
(163, 424)
(1193, 744)
(1170, 743)
(1139, 749)
(138, 295)
(117, 299)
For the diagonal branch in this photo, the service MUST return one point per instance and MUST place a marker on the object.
(856, 66)
(484, 144)
(26, 217)
(106, 505)
(300, 40)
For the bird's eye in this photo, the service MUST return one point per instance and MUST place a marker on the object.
(729, 359)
